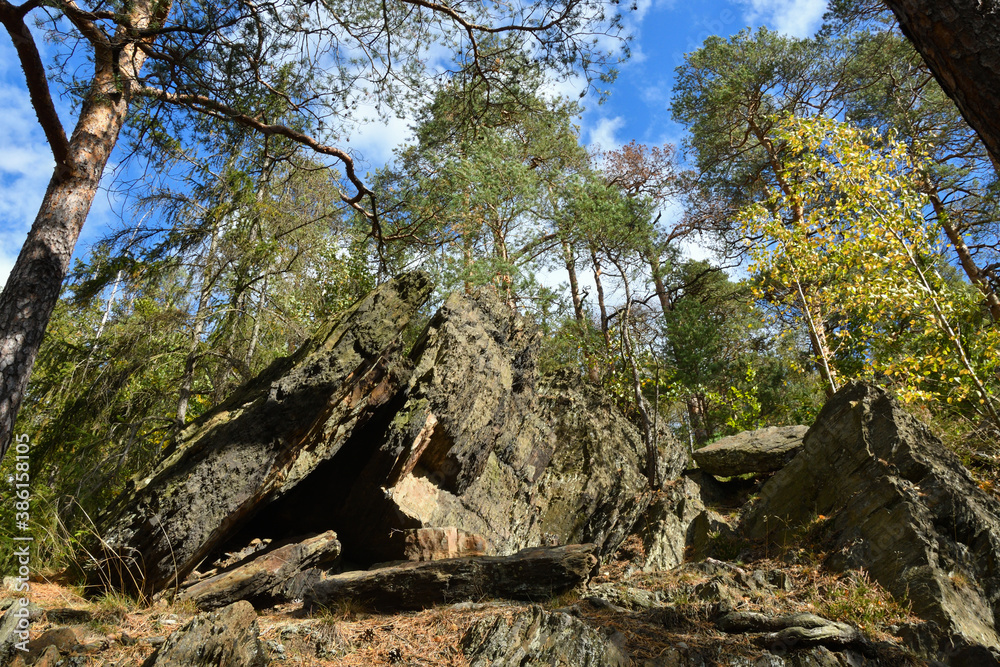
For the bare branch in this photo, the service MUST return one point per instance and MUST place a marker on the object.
(86, 22)
(206, 104)
(474, 27)
(34, 75)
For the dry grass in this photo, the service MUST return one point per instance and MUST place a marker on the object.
(431, 637)
(120, 630)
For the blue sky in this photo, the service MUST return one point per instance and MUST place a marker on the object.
(638, 107)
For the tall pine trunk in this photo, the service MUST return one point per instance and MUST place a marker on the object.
(33, 286)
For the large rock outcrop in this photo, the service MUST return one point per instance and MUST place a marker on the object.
(482, 443)
(885, 495)
(353, 435)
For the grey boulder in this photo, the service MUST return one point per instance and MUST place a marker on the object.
(764, 450)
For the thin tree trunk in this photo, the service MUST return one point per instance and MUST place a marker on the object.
(661, 288)
(975, 275)
(574, 284)
(197, 327)
(114, 290)
(33, 286)
(598, 272)
(255, 334)
(817, 339)
(697, 422)
(648, 430)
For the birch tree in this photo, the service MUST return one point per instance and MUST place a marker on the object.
(865, 249)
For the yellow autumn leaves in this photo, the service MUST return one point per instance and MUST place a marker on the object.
(842, 243)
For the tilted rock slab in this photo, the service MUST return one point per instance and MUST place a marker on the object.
(225, 638)
(532, 574)
(898, 504)
(352, 435)
(479, 441)
(538, 637)
(259, 444)
(750, 452)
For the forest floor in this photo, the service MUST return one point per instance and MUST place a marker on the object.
(646, 613)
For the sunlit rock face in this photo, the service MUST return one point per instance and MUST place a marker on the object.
(891, 499)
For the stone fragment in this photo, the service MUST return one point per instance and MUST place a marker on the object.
(68, 616)
(63, 640)
(224, 638)
(438, 543)
(792, 630)
(261, 577)
(535, 637)
(532, 574)
(665, 527)
(709, 536)
(764, 450)
(49, 657)
(14, 622)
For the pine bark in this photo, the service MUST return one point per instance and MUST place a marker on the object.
(33, 286)
(960, 42)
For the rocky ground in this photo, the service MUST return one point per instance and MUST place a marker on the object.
(661, 617)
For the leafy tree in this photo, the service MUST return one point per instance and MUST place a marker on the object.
(864, 244)
(479, 201)
(897, 93)
(157, 328)
(730, 94)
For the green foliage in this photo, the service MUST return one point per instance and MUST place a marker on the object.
(476, 197)
(159, 327)
(857, 600)
(848, 240)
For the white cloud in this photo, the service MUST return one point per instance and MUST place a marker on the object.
(797, 18)
(602, 135)
(657, 94)
(374, 141)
